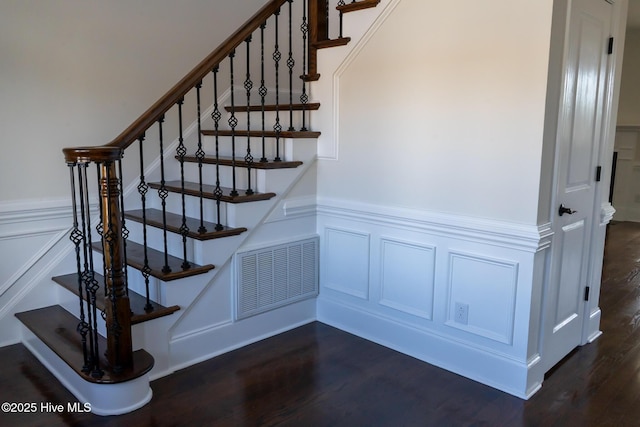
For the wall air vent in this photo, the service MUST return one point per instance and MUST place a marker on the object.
(275, 276)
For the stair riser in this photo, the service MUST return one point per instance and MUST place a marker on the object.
(174, 204)
(288, 150)
(136, 283)
(255, 118)
(71, 303)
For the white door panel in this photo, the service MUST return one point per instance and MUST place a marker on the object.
(578, 144)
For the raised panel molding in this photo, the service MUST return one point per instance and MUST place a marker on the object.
(407, 276)
(487, 286)
(515, 236)
(345, 262)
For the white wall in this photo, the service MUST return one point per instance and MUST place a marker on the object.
(78, 72)
(443, 110)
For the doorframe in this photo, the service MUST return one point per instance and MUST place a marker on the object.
(603, 210)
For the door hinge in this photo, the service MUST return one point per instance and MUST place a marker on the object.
(610, 50)
(586, 293)
(598, 173)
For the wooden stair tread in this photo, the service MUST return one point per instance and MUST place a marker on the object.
(324, 44)
(193, 189)
(261, 133)
(312, 106)
(359, 5)
(228, 161)
(137, 302)
(174, 223)
(135, 259)
(56, 328)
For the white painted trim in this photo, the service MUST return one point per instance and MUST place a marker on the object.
(530, 238)
(42, 274)
(17, 211)
(37, 218)
(300, 207)
(60, 233)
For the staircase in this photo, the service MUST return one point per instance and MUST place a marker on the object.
(208, 175)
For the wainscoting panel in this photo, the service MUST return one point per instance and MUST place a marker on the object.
(345, 262)
(485, 289)
(458, 292)
(407, 277)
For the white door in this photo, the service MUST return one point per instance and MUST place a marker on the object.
(578, 143)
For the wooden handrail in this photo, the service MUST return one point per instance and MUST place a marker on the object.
(155, 112)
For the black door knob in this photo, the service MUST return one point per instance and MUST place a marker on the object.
(564, 210)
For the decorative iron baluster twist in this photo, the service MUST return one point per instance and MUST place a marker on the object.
(304, 98)
(181, 151)
(327, 20)
(262, 91)
(90, 282)
(216, 116)
(200, 155)
(277, 56)
(163, 193)
(233, 122)
(125, 231)
(143, 188)
(290, 64)
(248, 85)
(78, 239)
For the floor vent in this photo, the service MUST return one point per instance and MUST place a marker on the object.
(276, 276)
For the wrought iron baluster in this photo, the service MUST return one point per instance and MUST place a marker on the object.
(163, 193)
(277, 56)
(181, 151)
(100, 231)
(216, 116)
(342, 3)
(327, 20)
(200, 155)
(78, 239)
(125, 231)
(233, 122)
(304, 98)
(290, 64)
(262, 91)
(90, 282)
(248, 85)
(143, 188)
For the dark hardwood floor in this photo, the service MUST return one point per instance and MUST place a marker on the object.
(319, 376)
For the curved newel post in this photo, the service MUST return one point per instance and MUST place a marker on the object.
(119, 352)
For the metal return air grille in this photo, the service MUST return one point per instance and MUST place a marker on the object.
(276, 276)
